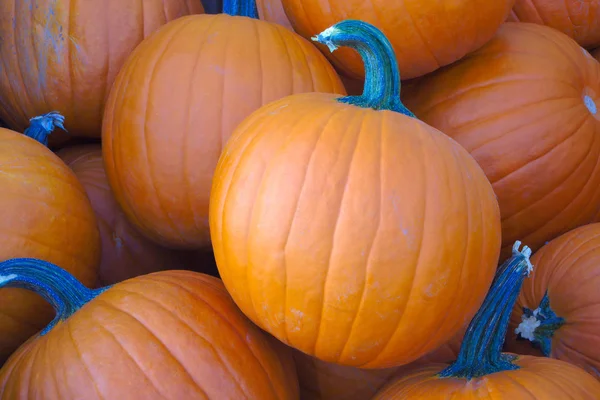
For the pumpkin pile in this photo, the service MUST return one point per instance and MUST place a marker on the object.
(298, 199)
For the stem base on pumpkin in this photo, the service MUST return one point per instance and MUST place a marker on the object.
(539, 325)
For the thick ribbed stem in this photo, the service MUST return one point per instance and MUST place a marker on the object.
(240, 8)
(41, 127)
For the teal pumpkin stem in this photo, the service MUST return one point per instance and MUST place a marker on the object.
(539, 325)
(382, 77)
(481, 351)
(41, 127)
(240, 8)
(57, 286)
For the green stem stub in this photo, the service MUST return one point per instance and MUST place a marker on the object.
(481, 351)
(58, 287)
(539, 325)
(41, 127)
(382, 77)
(240, 8)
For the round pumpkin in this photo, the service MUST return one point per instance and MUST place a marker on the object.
(168, 335)
(526, 107)
(126, 253)
(176, 102)
(482, 371)
(349, 229)
(425, 34)
(558, 309)
(44, 213)
(64, 54)
(575, 18)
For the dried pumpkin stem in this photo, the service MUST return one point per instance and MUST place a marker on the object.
(41, 127)
(481, 351)
(539, 325)
(240, 8)
(382, 77)
(57, 286)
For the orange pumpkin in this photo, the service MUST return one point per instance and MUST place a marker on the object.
(426, 34)
(482, 371)
(125, 252)
(45, 213)
(176, 102)
(558, 309)
(64, 54)
(349, 229)
(575, 18)
(168, 335)
(525, 106)
(272, 11)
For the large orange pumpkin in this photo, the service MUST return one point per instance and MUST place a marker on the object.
(64, 54)
(578, 19)
(125, 252)
(349, 229)
(44, 213)
(525, 106)
(426, 34)
(175, 104)
(558, 310)
(168, 335)
(482, 371)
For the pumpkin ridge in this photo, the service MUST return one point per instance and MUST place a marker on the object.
(424, 41)
(86, 367)
(23, 86)
(154, 335)
(41, 91)
(223, 92)
(69, 39)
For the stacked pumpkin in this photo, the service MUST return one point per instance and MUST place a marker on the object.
(211, 215)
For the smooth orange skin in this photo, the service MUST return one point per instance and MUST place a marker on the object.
(425, 34)
(44, 213)
(126, 253)
(538, 378)
(337, 261)
(578, 19)
(517, 106)
(568, 268)
(168, 335)
(63, 55)
(272, 11)
(176, 102)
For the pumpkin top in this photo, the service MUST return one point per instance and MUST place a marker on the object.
(240, 8)
(382, 76)
(42, 126)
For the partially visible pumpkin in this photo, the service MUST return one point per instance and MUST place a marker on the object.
(349, 229)
(425, 34)
(170, 335)
(558, 309)
(126, 253)
(526, 107)
(176, 102)
(64, 54)
(575, 18)
(44, 213)
(272, 11)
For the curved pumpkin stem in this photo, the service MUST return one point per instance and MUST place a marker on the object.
(382, 77)
(41, 127)
(481, 351)
(240, 8)
(57, 286)
(539, 325)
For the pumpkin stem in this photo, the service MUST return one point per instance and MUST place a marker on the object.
(57, 286)
(382, 77)
(481, 351)
(240, 8)
(539, 325)
(41, 127)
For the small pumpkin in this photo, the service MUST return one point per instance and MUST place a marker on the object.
(575, 18)
(349, 229)
(64, 54)
(168, 335)
(425, 34)
(482, 371)
(44, 213)
(525, 107)
(126, 253)
(558, 309)
(178, 99)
